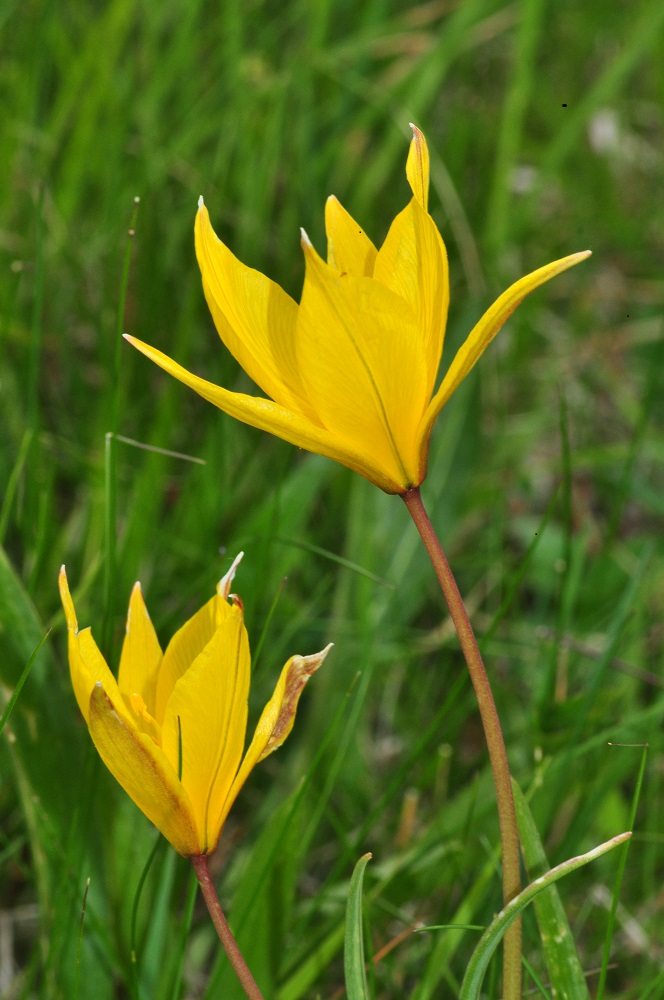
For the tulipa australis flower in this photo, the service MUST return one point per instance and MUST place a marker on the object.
(350, 373)
(172, 728)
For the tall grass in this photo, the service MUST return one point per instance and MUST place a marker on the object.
(545, 481)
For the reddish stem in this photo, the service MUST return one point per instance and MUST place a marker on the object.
(509, 833)
(231, 948)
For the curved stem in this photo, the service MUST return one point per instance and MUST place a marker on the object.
(231, 948)
(509, 834)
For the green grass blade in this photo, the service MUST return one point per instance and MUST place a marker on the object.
(562, 961)
(619, 877)
(12, 483)
(80, 938)
(516, 103)
(21, 681)
(355, 973)
(472, 982)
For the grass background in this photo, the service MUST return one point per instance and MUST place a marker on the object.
(546, 478)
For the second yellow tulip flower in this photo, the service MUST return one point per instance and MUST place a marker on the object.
(171, 729)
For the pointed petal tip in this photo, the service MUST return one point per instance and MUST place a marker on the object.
(201, 203)
(224, 585)
(315, 660)
(417, 167)
(67, 602)
(573, 258)
(278, 716)
(136, 589)
(304, 239)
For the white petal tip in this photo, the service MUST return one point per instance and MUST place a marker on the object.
(314, 660)
(226, 580)
(305, 239)
(201, 203)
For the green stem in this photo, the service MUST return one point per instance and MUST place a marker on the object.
(509, 834)
(235, 957)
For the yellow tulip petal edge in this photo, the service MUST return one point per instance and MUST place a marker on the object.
(350, 372)
(171, 729)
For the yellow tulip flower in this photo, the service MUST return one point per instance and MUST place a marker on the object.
(171, 729)
(351, 371)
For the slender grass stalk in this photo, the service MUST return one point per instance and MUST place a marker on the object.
(185, 927)
(509, 834)
(110, 470)
(12, 483)
(36, 332)
(519, 92)
(9, 707)
(80, 938)
(231, 948)
(159, 843)
(619, 877)
(110, 507)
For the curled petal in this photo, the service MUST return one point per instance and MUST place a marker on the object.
(147, 777)
(278, 716)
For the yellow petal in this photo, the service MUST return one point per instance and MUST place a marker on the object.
(87, 666)
(349, 249)
(413, 263)
(362, 360)
(417, 167)
(483, 333)
(269, 416)
(205, 723)
(141, 653)
(187, 643)
(255, 318)
(145, 774)
(278, 716)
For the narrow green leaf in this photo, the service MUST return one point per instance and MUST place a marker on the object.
(560, 954)
(479, 961)
(356, 979)
(21, 681)
(619, 876)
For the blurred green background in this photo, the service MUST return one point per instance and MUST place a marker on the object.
(546, 482)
